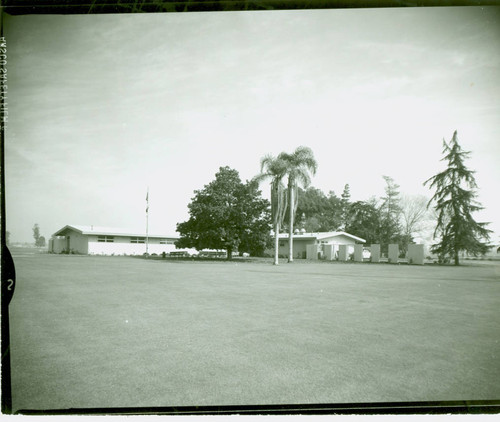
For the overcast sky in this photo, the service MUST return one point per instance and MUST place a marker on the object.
(103, 106)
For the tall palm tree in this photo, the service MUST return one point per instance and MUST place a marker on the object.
(275, 169)
(300, 164)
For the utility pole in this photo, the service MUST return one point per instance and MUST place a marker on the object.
(147, 216)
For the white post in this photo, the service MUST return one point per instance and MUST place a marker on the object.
(358, 252)
(393, 253)
(343, 253)
(416, 254)
(375, 252)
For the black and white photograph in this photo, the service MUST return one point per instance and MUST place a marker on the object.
(270, 210)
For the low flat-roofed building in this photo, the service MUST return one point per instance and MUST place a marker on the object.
(94, 240)
(301, 239)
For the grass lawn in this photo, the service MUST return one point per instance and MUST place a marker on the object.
(121, 331)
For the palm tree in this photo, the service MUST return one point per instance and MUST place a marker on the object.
(300, 164)
(275, 169)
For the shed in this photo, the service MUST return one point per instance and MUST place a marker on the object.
(302, 239)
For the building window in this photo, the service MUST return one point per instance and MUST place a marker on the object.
(105, 238)
(137, 240)
(167, 242)
(282, 243)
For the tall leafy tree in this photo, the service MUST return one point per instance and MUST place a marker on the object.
(275, 169)
(334, 216)
(364, 220)
(301, 164)
(226, 214)
(455, 202)
(256, 236)
(317, 211)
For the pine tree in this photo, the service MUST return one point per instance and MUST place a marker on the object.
(455, 202)
(390, 212)
(344, 206)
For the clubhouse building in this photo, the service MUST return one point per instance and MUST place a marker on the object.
(93, 240)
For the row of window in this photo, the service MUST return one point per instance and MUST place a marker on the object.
(134, 240)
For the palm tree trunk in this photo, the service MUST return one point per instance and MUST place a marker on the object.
(290, 231)
(276, 243)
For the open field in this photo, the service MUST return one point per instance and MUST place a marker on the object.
(120, 331)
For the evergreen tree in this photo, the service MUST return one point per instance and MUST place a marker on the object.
(390, 211)
(344, 206)
(455, 202)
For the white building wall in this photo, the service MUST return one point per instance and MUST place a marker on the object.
(122, 246)
(312, 251)
(72, 242)
(299, 247)
(78, 243)
(58, 245)
(329, 252)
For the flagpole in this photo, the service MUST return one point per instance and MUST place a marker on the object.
(147, 221)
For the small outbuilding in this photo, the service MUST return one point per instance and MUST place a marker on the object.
(93, 240)
(302, 239)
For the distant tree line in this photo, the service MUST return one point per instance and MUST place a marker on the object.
(229, 214)
(393, 218)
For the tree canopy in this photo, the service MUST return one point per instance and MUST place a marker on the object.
(364, 220)
(455, 202)
(317, 212)
(227, 214)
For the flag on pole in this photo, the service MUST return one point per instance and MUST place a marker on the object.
(147, 201)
